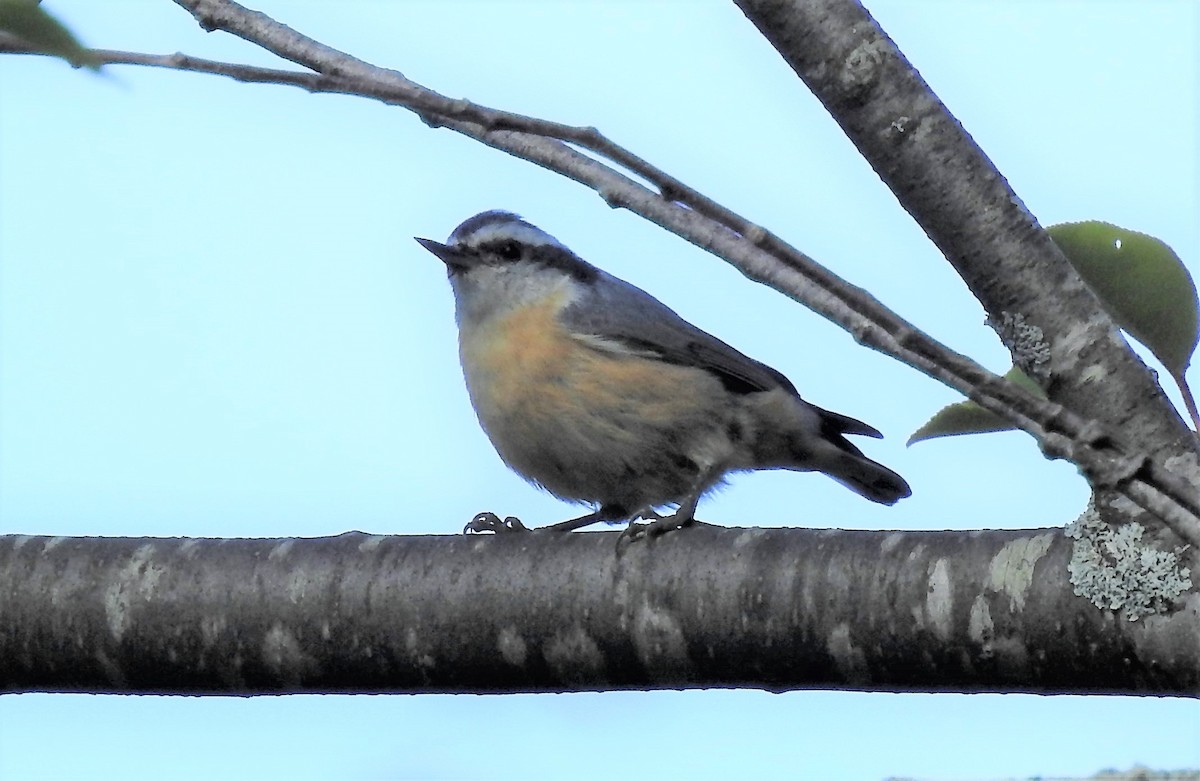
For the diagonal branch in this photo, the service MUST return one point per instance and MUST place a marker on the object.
(759, 254)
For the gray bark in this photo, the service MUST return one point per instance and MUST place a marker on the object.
(1050, 321)
(776, 609)
(946, 182)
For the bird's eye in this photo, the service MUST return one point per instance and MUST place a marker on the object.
(509, 250)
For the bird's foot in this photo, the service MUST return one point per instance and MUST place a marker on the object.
(490, 522)
(658, 525)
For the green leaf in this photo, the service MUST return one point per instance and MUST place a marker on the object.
(967, 417)
(1141, 282)
(32, 24)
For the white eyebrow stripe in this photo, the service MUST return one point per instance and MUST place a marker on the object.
(518, 231)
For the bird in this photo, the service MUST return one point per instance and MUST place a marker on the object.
(597, 392)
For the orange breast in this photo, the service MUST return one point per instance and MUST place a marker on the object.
(583, 420)
(522, 357)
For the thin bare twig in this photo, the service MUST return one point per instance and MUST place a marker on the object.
(1189, 401)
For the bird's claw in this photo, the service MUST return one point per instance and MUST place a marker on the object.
(490, 522)
(658, 525)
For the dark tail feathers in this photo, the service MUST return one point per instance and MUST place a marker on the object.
(866, 477)
(851, 468)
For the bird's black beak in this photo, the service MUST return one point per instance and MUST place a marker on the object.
(455, 258)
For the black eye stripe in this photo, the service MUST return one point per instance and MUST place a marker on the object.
(548, 255)
(563, 259)
(506, 249)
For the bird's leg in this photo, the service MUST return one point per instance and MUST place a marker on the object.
(607, 513)
(661, 524)
(490, 522)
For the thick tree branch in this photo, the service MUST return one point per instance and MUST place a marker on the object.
(1103, 456)
(965, 206)
(783, 609)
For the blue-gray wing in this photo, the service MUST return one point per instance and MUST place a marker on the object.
(617, 313)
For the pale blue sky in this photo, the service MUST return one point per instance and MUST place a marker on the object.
(214, 322)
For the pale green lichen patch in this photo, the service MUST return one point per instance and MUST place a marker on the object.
(850, 660)
(1011, 569)
(284, 656)
(416, 650)
(749, 537)
(1186, 465)
(939, 599)
(659, 641)
(130, 587)
(1114, 569)
(281, 550)
(513, 649)
(371, 543)
(1028, 345)
(573, 656)
(890, 542)
(980, 627)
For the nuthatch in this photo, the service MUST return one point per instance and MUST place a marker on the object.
(595, 391)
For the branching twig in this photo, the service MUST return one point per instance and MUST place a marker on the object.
(759, 254)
